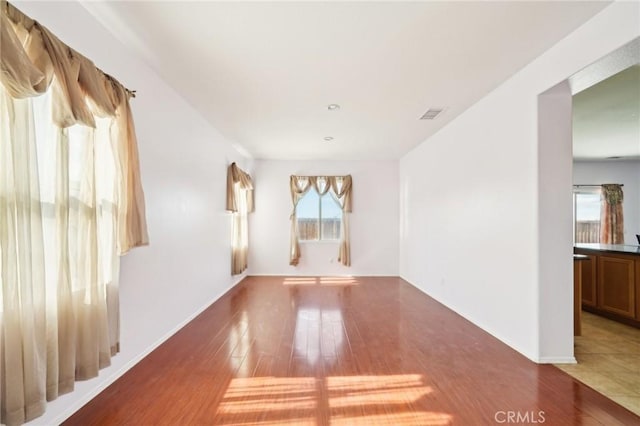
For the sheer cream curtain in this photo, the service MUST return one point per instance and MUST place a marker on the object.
(71, 202)
(341, 189)
(611, 215)
(240, 203)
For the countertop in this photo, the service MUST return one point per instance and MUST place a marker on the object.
(611, 248)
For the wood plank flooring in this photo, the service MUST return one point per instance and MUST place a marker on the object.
(341, 351)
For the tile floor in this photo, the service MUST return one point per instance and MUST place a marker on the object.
(608, 355)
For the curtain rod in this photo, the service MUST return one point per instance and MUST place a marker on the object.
(593, 186)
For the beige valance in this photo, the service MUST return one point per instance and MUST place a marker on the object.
(339, 185)
(32, 56)
(33, 60)
(236, 175)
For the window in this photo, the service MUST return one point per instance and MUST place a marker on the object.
(71, 202)
(319, 217)
(586, 214)
(240, 203)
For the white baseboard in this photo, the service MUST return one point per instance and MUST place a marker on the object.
(284, 274)
(557, 360)
(499, 336)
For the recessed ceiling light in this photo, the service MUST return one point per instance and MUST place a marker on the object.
(333, 107)
(328, 138)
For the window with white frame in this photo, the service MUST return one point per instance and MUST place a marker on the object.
(318, 217)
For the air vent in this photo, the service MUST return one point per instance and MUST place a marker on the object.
(431, 113)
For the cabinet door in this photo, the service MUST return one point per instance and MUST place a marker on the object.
(616, 285)
(637, 289)
(589, 277)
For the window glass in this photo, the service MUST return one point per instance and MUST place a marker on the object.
(319, 218)
(308, 215)
(587, 207)
(587, 217)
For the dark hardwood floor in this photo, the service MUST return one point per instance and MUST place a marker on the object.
(341, 351)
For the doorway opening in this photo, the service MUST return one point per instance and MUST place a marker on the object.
(606, 151)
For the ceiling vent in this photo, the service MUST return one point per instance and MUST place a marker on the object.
(431, 113)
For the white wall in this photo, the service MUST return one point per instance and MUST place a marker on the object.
(555, 235)
(480, 169)
(471, 229)
(374, 221)
(183, 166)
(624, 172)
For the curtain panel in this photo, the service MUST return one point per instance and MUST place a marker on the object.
(34, 60)
(71, 202)
(240, 204)
(611, 215)
(341, 188)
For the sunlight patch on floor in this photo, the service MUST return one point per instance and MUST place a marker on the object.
(342, 400)
(323, 281)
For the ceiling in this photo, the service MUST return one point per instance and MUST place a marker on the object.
(606, 118)
(263, 73)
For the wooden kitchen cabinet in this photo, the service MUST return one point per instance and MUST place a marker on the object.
(611, 281)
(616, 285)
(589, 277)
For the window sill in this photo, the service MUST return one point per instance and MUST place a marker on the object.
(319, 241)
